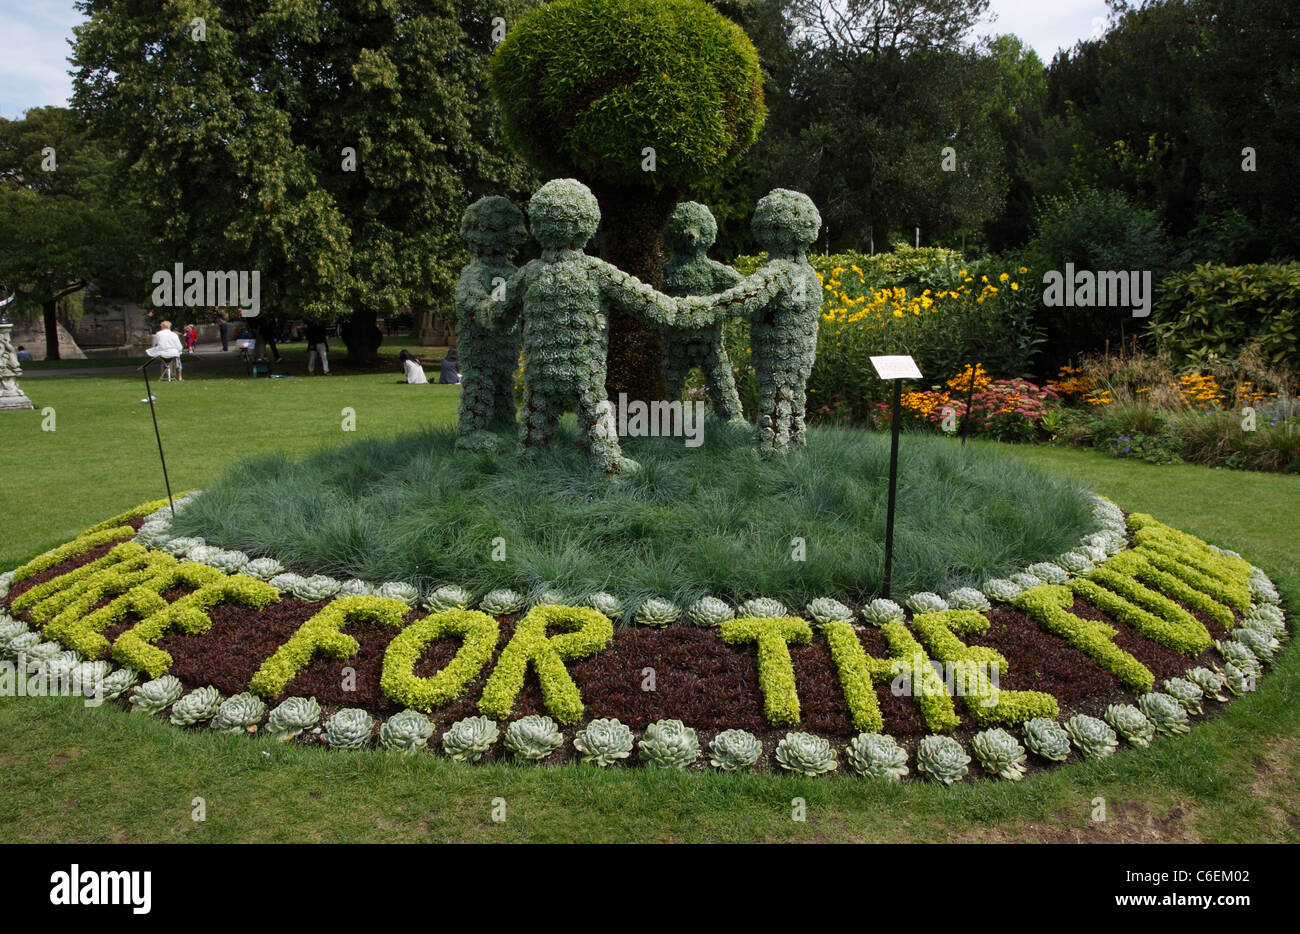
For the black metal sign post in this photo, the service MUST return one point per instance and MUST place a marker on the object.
(896, 369)
(148, 395)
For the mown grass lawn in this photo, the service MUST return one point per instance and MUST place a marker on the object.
(73, 775)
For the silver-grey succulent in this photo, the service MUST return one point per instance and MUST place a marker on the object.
(968, 598)
(876, 755)
(1238, 680)
(407, 732)
(157, 695)
(315, 589)
(182, 545)
(1049, 573)
(734, 750)
(195, 707)
(710, 611)
(117, 683)
(1209, 681)
(350, 728)
(1076, 562)
(762, 608)
(1025, 581)
(606, 603)
(926, 602)
(1186, 692)
(263, 568)
(239, 713)
(1165, 713)
(806, 754)
(291, 716)
(1000, 753)
(668, 744)
(501, 602)
(825, 610)
(355, 587)
(658, 612)
(603, 742)
(456, 597)
(1091, 736)
(400, 590)
(88, 677)
(1045, 738)
(228, 561)
(1239, 654)
(533, 737)
(881, 611)
(942, 759)
(548, 596)
(1262, 644)
(467, 740)
(23, 642)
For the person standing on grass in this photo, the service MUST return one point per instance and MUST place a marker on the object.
(413, 368)
(167, 346)
(223, 325)
(317, 346)
(191, 338)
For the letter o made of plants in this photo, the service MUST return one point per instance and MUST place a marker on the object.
(478, 632)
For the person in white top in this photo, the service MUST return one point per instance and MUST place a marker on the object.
(167, 345)
(414, 371)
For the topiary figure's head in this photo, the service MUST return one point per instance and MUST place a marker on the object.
(493, 226)
(563, 215)
(785, 222)
(587, 85)
(691, 229)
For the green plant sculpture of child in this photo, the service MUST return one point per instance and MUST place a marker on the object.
(783, 302)
(563, 298)
(689, 234)
(493, 228)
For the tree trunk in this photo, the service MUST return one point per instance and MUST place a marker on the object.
(632, 224)
(362, 336)
(425, 329)
(49, 312)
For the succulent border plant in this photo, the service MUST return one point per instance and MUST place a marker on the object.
(881, 611)
(157, 695)
(291, 716)
(1131, 723)
(1186, 692)
(263, 569)
(606, 603)
(1045, 738)
(604, 741)
(1165, 712)
(926, 602)
(668, 744)
(942, 759)
(548, 596)
(1075, 562)
(501, 602)
(825, 610)
(196, 706)
(1048, 572)
(468, 739)
(1001, 589)
(1025, 581)
(710, 612)
(968, 598)
(806, 754)
(1094, 738)
(400, 590)
(1000, 753)
(734, 750)
(1239, 654)
(876, 755)
(355, 587)
(1209, 681)
(1262, 644)
(407, 731)
(1237, 680)
(116, 683)
(658, 612)
(239, 713)
(456, 597)
(349, 728)
(762, 608)
(315, 589)
(533, 737)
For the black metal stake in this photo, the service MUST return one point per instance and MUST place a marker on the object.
(894, 421)
(148, 394)
(970, 391)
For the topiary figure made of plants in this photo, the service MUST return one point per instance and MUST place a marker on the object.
(783, 301)
(564, 297)
(493, 228)
(689, 234)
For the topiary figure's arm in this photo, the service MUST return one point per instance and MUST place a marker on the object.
(724, 277)
(501, 312)
(747, 298)
(633, 296)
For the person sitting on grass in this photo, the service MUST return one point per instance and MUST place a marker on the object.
(449, 373)
(24, 355)
(414, 370)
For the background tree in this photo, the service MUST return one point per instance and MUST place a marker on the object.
(331, 147)
(62, 221)
(640, 100)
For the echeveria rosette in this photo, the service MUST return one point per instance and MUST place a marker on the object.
(350, 728)
(1262, 589)
(400, 590)
(239, 713)
(117, 683)
(548, 596)
(926, 602)
(228, 561)
(762, 608)
(1239, 654)
(21, 643)
(456, 597)
(1165, 712)
(182, 545)
(669, 744)
(1131, 723)
(291, 716)
(606, 604)
(806, 754)
(734, 750)
(710, 612)
(315, 589)
(157, 695)
(942, 759)
(467, 740)
(1186, 692)
(1045, 738)
(1209, 681)
(876, 755)
(1091, 736)
(968, 598)
(41, 653)
(407, 732)
(57, 670)
(1000, 754)
(88, 677)
(1261, 644)
(263, 569)
(603, 742)
(1075, 562)
(1049, 573)
(355, 587)
(1239, 680)
(195, 707)
(1001, 589)
(533, 738)
(9, 629)
(500, 602)
(825, 610)
(1274, 631)
(881, 611)
(658, 612)
(1269, 613)
(1025, 581)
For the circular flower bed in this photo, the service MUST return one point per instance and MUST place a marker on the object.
(1132, 634)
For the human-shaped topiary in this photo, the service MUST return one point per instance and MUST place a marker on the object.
(493, 228)
(565, 297)
(782, 300)
(689, 234)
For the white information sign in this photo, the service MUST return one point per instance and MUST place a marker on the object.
(896, 368)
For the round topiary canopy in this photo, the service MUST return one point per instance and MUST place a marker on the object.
(587, 85)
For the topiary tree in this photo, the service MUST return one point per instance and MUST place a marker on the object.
(639, 99)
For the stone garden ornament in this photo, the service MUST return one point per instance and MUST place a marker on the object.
(11, 397)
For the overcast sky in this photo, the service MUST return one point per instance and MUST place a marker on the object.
(34, 48)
